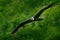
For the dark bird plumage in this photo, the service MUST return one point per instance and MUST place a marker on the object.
(34, 18)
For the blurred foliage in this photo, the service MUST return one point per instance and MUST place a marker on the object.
(13, 12)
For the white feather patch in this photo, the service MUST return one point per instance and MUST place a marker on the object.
(32, 18)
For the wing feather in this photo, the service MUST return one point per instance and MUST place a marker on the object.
(42, 10)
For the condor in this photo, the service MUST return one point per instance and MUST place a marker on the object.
(34, 18)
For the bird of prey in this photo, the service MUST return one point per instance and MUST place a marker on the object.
(34, 18)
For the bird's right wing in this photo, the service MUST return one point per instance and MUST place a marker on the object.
(42, 10)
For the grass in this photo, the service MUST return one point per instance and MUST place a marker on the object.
(13, 12)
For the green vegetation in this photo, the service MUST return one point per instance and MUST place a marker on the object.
(13, 12)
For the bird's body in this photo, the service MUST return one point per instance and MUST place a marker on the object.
(34, 18)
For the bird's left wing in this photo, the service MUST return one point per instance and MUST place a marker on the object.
(20, 25)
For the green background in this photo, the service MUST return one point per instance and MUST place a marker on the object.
(13, 12)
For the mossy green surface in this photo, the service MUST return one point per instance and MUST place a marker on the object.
(13, 12)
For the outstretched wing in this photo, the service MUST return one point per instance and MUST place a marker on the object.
(21, 24)
(42, 10)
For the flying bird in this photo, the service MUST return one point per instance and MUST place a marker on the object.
(34, 18)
